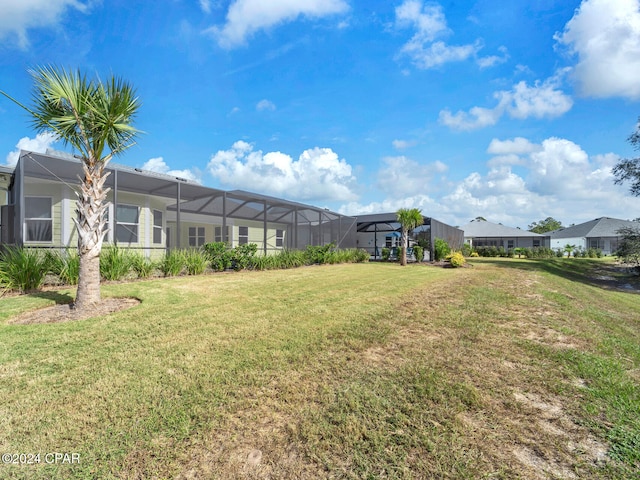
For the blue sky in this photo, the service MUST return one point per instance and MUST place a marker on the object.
(514, 111)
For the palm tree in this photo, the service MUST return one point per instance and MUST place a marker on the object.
(95, 118)
(409, 219)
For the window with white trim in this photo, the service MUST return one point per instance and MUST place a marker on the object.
(279, 238)
(38, 219)
(196, 236)
(157, 226)
(127, 223)
(218, 235)
(243, 235)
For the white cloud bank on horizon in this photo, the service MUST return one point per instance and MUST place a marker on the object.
(246, 17)
(524, 182)
(605, 36)
(39, 145)
(19, 16)
(158, 165)
(318, 174)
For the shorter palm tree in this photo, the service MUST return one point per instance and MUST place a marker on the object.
(409, 219)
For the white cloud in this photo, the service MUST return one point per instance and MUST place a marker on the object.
(245, 17)
(430, 24)
(19, 16)
(403, 176)
(158, 165)
(318, 174)
(517, 146)
(205, 5)
(263, 105)
(402, 144)
(493, 60)
(605, 36)
(542, 100)
(38, 145)
(554, 178)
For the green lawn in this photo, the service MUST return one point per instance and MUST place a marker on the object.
(508, 369)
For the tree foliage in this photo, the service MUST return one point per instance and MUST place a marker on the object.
(629, 246)
(409, 218)
(96, 119)
(628, 169)
(547, 225)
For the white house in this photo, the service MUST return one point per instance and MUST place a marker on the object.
(600, 233)
(481, 233)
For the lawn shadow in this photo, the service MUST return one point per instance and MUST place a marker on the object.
(607, 275)
(57, 297)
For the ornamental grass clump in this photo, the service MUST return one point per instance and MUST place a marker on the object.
(22, 269)
(456, 259)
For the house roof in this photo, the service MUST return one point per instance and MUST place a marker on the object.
(485, 229)
(599, 227)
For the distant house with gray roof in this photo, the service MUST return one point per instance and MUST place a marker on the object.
(601, 233)
(481, 233)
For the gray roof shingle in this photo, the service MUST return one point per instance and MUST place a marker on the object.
(599, 227)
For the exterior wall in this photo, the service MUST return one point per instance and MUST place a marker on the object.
(559, 243)
(506, 242)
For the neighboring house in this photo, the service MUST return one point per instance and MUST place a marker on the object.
(152, 212)
(382, 230)
(600, 233)
(481, 233)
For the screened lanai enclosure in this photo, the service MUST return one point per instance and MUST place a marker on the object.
(154, 212)
(382, 230)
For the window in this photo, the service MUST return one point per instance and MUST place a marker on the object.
(37, 219)
(157, 226)
(218, 235)
(243, 235)
(510, 244)
(279, 238)
(593, 243)
(127, 219)
(536, 242)
(388, 242)
(196, 236)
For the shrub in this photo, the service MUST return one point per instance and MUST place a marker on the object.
(456, 259)
(441, 249)
(317, 254)
(195, 261)
(142, 265)
(22, 269)
(466, 250)
(172, 263)
(386, 253)
(242, 256)
(418, 252)
(218, 255)
(115, 263)
(65, 265)
(475, 254)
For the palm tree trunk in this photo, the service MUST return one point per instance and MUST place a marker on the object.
(90, 207)
(403, 258)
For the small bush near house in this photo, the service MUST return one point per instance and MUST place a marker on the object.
(219, 255)
(195, 261)
(317, 254)
(172, 263)
(242, 256)
(142, 265)
(22, 269)
(456, 259)
(418, 252)
(115, 263)
(386, 254)
(466, 250)
(65, 265)
(441, 249)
